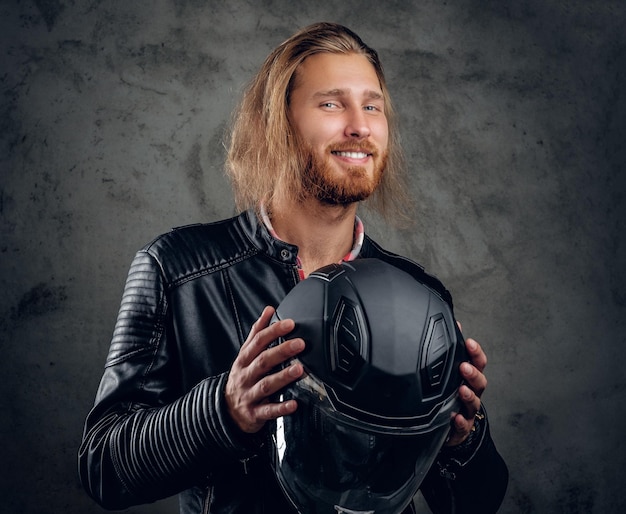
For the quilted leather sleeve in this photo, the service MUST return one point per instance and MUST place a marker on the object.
(144, 439)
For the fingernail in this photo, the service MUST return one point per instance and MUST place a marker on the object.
(297, 345)
(471, 344)
(294, 371)
(467, 369)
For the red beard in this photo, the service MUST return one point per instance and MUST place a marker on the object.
(327, 185)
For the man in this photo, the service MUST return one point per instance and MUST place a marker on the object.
(190, 378)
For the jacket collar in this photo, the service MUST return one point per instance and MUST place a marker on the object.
(260, 237)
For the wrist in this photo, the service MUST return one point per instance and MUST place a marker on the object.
(464, 450)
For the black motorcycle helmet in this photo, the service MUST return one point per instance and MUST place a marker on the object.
(380, 388)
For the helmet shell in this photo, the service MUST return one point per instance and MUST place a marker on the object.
(381, 380)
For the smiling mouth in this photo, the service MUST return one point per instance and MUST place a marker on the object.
(352, 155)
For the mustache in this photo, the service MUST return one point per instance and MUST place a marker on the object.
(354, 146)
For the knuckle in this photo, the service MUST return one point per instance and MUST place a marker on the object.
(284, 351)
(254, 419)
(267, 413)
(262, 361)
(255, 340)
(264, 387)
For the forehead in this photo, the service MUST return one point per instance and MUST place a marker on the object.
(352, 72)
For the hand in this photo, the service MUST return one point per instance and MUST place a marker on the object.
(253, 378)
(470, 393)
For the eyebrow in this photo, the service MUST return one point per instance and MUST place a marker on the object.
(369, 94)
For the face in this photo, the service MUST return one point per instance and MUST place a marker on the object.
(337, 110)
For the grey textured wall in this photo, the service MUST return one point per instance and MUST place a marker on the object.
(513, 118)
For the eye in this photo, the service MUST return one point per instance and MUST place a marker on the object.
(372, 108)
(329, 105)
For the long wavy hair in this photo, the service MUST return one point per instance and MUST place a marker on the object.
(265, 159)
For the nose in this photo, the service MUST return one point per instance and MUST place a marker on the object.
(357, 125)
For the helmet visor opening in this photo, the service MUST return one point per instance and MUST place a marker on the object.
(325, 464)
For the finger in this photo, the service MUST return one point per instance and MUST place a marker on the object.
(261, 336)
(474, 378)
(274, 382)
(463, 422)
(470, 400)
(269, 359)
(262, 378)
(262, 322)
(258, 409)
(460, 430)
(476, 354)
(270, 411)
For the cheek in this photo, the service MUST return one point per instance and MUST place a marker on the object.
(311, 132)
(382, 134)
(323, 129)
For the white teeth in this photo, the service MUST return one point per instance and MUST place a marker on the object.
(351, 155)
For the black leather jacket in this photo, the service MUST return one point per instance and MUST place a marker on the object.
(160, 426)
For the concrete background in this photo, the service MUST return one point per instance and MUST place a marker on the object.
(513, 119)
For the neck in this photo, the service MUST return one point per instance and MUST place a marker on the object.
(323, 233)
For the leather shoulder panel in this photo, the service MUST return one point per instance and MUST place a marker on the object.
(186, 252)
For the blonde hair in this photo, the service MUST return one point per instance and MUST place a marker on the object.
(265, 161)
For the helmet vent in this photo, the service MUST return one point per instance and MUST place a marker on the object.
(348, 340)
(435, 356)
